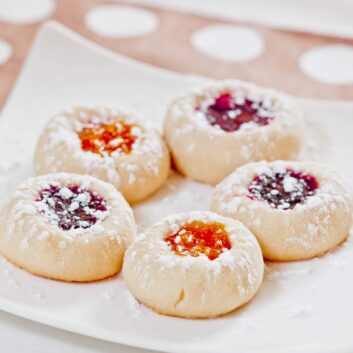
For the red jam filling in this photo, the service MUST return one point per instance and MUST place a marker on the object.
(71, 207)
(196, 238)
(107, 138)
(283, 190)
(232, 113)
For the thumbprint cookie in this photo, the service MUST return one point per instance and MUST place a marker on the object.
(67, 227)
(213, 130)
(109, 144)
(194, 265)
(297, 210)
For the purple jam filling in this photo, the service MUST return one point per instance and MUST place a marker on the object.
(71, 207)
(283, 190)
(231, 113)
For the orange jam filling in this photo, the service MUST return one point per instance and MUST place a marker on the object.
(196, 238)
(107, 138)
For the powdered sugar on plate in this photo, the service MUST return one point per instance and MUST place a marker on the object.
(81, 307)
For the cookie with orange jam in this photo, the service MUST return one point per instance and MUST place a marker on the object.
(213, 130)
(110, 144)
(194, 265)
(67, 227)
(297, 210)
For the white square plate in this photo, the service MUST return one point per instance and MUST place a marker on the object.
(304, 306)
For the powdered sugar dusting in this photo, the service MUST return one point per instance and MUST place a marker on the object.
(283, 189)
(81, 132)
(267, 103)
(233, 111)
(135, 309)
(328, 196)
(71, 206)
(168, 259)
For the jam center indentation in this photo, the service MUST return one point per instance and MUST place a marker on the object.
(283, 190)
(106, 138)
(233, 112)
(196, 238)
(71, 207)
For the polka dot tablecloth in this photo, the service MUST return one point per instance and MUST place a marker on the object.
(302, 64)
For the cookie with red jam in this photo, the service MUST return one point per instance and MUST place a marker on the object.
(194, 265)
(110, 144)
(214, 130)
(67, 227)
(297, 210)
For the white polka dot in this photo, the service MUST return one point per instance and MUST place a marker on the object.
(26, 11)
(5, 52)
(228, 42)
(330, 64)
(121, 21)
